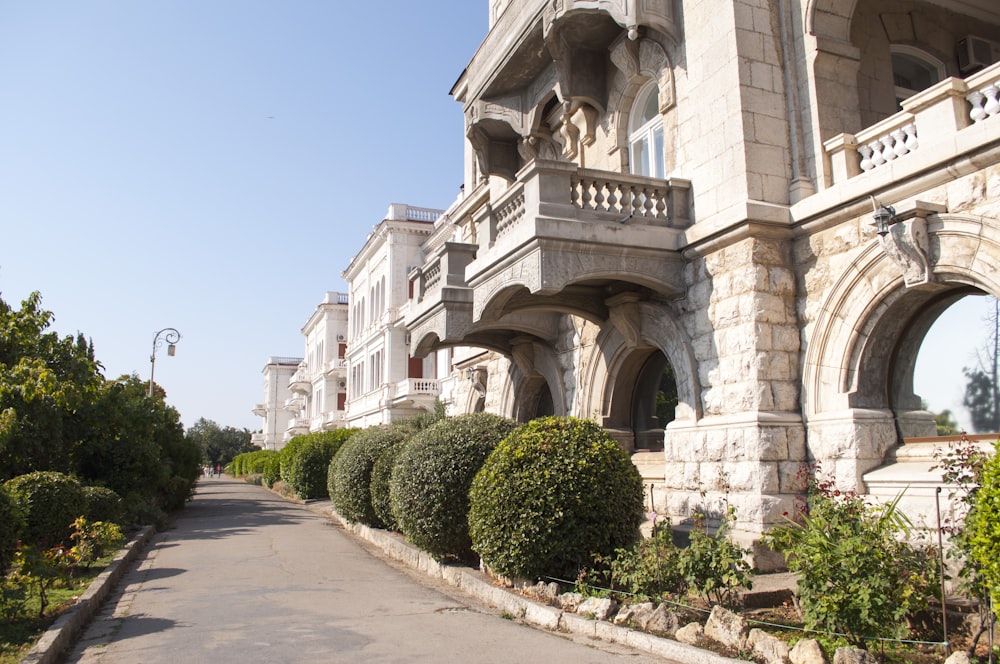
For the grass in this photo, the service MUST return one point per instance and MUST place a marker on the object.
(21, 628)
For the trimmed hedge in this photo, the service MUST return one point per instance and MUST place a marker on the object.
(49, 502)
(381, 476)
(11, 523)
(103, 504)
(310, 461)
(349, 477)
(551, 495)
(271, 471)
(429, 490)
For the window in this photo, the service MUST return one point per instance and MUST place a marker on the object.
(646, 133)
(913, 71)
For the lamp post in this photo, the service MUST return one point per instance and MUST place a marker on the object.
(171, 336)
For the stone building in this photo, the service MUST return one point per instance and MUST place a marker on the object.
(669, 225)
(303, 395)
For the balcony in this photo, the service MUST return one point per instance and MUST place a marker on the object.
(336, 366)
(413, 391)
(299, 382)
(258, 440)
(334, 420)
(554, 241)
(260, 410)
(948, 121)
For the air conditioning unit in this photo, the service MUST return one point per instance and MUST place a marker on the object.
(341, 337)
(975, 53)
(342, 384)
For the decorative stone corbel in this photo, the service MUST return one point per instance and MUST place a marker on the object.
(477, 376)
(623, 311)
(908, 245)
(522, 352)
(570, 132)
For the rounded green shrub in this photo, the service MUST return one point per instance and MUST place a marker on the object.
(308, 466)
(381, 476)
(11, 524)
(49, 502)
(287, 453)
(554, 493)
(349, 478)
(103, 504)
(429, 491)
(271, 469)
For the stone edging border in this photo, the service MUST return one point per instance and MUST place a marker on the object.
(536, 614)
(60, 635)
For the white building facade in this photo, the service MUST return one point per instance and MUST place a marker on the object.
(276, 417)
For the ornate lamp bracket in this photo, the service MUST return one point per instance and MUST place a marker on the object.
(906, 242)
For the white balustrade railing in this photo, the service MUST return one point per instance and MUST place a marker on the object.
(640, 201)
(883, 149)
(929, 117)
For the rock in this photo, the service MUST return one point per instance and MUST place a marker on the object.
(598, 608)
(958, 657)
(663, 622)
(547, 592)
(690, 634)
(767, 647)
(569, 601)
(726, 627)
(807, 651)
(853, 656)
(634, 615)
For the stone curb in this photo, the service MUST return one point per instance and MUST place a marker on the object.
(536, 614)
(58, 638)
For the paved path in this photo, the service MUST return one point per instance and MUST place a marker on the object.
(244, 576)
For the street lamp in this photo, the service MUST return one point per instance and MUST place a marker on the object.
(884, 215)
(171, 336)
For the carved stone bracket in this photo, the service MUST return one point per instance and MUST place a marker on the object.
(623, 310)
(908, 245)
(523, 354)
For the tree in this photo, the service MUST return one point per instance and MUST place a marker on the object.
(218, 445)
(982, 390)
(46, 383)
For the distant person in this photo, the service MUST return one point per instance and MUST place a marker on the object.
(218, 470)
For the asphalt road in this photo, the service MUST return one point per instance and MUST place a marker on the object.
(243, 576)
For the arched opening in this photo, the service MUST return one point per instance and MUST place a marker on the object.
(955, 373)
(913, 70)
(654, 402)
(534, 400)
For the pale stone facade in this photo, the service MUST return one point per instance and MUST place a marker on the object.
(659, 189)
(275, 416)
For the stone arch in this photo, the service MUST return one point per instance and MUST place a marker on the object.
(533, 367)
(614, 362)
(830, 18)
(638, 63)
(857, 390)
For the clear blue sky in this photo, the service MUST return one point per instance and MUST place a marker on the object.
(213, 166)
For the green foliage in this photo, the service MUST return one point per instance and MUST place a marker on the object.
(49, 502)
(983, 526)
(649, 568)
(46, 383)
(11, 523)
(91, 539)
(713, 565)
(287, 453)
(349, 478)
(381, 475)
(420, 422)
(270, 469)
(858, 574)
(551, 495)
(103, 504)
(309, 464)
(218, 445)
(429, 489)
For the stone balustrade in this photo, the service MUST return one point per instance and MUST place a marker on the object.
(933, 116)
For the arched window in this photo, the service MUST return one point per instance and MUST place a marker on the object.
(646, 133)
(913, 70)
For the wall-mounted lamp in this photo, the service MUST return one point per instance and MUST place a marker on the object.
(885, 216)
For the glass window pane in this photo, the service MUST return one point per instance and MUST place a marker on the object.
(658, 151)
(640, 157)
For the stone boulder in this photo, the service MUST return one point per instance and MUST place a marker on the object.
(853, 656)
(663, 622)
(634, 615)
(690, 634)
(769, 648)
(598, 608)
(726, 627)
(569, 601)
(807, 651)
(958, 657)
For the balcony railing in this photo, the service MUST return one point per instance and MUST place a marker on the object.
(932, 117)
(335, 365)
(416, 387)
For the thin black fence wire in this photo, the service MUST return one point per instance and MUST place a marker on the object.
(762, 622)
